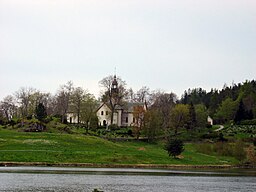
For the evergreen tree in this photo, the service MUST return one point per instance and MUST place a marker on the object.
(241, 113)
(192, 117)
(174, 147)
(40, 112)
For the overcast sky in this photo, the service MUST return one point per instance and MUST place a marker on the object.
(170, 45)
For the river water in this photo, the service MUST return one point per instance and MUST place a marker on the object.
(56, 179)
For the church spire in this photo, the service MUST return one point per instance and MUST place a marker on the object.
(114, 86)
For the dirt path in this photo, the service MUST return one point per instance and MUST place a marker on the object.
(219, 129)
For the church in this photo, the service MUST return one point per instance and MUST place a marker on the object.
(114, 112)
(121, 114)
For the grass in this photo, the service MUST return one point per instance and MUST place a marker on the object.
(74, 148)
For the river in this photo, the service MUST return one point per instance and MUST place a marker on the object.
(58, 179)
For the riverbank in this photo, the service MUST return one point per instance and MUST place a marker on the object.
(146, 166)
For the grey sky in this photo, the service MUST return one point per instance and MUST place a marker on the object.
(163, 44)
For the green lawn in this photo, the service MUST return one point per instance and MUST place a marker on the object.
(73, 148)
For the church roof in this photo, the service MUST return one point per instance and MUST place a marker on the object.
(128, 106)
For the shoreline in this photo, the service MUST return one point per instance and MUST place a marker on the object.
(143, 166)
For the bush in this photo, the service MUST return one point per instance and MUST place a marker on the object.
(113, 127)
(129, 132)
(223, 149)
(248, 122)
(48, 119)
(210, 135)
(239, 150)
(254, 142)
(174, 147)
(251, 155)
(236, 150)
(221, 137)
(205, 148)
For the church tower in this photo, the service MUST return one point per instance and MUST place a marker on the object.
(114, 86)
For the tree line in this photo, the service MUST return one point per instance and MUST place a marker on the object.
(233, 103)
(165, 113)
(26, 102)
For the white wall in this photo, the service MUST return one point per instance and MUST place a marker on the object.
(106, 114)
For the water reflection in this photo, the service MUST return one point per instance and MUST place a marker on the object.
(53, 179)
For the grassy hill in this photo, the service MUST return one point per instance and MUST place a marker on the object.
(78, 148)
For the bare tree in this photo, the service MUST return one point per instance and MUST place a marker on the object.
(179, 117)
(24, 98)
(143, 94)
(8, 107)
(88, 107)
(113, 92)
(130, 95)
(77, 98)
(63, 99)
(163, 104)
(139, 115)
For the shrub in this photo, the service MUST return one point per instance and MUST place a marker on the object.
(174, 147)
(248, 122)
(129, 132)
(205, 148)
(113, 127)
(221, 137)
(251, 155)
(223, 149)
(239, 150)
(210, 135)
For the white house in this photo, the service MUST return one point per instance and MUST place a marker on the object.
(209, 120)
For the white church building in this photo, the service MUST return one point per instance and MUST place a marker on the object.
(123, 115)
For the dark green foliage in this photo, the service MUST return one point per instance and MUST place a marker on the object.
(174, 147)
(221, 137)
(94, 122)
(129, 132)
(240, 114)
(245, 92)
(210, 135)
(113, 127)
(192, 117)
(40, 112)
(196, 96)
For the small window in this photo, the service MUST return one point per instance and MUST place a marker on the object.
(126, 120)
(102, 112)
(106, 112)
(133, 120)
